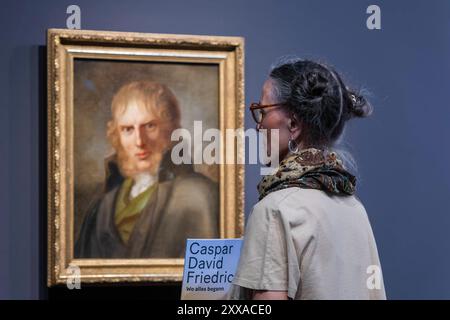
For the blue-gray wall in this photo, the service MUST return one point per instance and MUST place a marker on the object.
(402, 151)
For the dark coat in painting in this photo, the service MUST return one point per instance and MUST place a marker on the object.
(184, 205)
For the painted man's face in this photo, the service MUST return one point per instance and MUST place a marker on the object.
(140, 138)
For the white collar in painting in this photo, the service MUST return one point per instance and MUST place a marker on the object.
(142, 182)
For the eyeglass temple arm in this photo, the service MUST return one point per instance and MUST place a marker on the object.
(256, 106)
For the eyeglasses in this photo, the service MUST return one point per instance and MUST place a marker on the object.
(257, 110)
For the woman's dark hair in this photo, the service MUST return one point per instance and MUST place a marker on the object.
(316, 95)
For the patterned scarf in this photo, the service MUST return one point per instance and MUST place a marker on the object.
(310, 169)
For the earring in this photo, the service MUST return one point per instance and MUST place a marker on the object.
(293, 146)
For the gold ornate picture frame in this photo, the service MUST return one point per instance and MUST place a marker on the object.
(85, 71)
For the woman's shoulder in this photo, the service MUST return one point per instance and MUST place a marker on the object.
(290, 196)
(304, 197)
(281, 203)
(302, 204)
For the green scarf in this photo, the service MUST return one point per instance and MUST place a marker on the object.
(310, 169)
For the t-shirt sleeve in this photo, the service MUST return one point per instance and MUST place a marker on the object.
(263, 262)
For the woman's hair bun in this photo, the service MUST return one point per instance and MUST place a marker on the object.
(359, 107)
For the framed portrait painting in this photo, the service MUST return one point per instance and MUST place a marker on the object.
(125, 111)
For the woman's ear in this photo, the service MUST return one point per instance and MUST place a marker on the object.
(295, 127)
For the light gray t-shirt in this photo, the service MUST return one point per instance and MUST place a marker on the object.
(310, 244)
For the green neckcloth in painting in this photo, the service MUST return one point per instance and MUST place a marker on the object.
(128, 210)
(310, 169)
